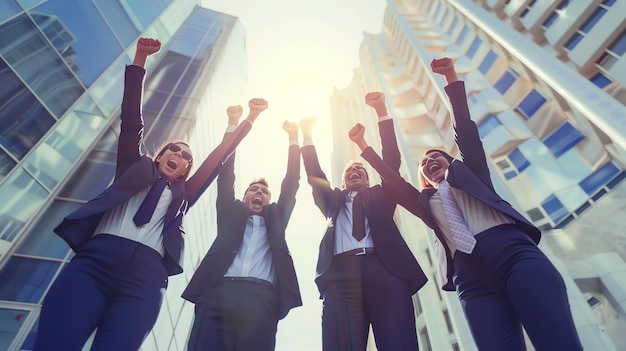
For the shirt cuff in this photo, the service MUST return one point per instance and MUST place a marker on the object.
(294, 142)
(307, 143)
(230, 128)
(384, 118)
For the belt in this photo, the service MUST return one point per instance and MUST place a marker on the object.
(249, 280)
(357, 252)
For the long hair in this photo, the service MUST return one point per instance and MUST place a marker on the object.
(163, 147)
(423, 182)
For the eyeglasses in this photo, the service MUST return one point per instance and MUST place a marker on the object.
(175, 148)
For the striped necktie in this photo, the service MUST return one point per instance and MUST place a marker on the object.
(461, 234)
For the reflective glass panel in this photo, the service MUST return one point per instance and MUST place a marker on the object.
(21, 198)
(74, 134)
(26, 279)
(599, 178)
(145, 11)
(107, 92)
(8, 8)
(79, 34)
(555, 209)
(23, 120)
(487, 62)
(42, 241)
(474, 47)
(11, 321)
(6, 164)
(505, 82)
(27, 51)
(563, 139)
(92, 177)
(519, 160)
(531, 103)
(119, 20)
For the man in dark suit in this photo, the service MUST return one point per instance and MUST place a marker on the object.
(366, 273)
(487, 250)
(125, 249)
(247, 282)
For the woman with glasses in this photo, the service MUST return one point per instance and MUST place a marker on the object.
(130, 238)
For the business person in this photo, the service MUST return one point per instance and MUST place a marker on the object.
(366, 274)
(128, 239)
(247, 282)
(487, 250)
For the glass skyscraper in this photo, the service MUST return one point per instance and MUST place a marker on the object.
(61, 80)
(546, 84)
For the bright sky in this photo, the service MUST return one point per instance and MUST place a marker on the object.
(298, 51)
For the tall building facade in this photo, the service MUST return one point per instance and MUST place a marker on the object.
(61, 72)
(546, 86)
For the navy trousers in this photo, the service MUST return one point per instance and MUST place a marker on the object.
(360, 292)
(507, 283)
(238, 316)
(113, 284)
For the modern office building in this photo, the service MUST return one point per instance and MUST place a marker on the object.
(61, 80)
(546, 86)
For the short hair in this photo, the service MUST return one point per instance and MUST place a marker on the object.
(163, 147)
(260, 180)
(423, 182)
(350, 164)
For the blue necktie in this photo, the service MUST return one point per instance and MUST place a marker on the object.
(146, 209)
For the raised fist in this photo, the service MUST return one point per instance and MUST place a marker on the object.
(375, 99)
(291, 128)
(307, 123)
(257, 105)
(234, 113)
(357, 133)
(148, 46)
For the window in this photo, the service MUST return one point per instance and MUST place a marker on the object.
(555, 15)
(527, 9)
(586, 27)
(600, 80)
(505, 82)
(613, 52)
(513, 165)
(554, 208)
(531, 103)
(563, 139)
(488, 124)
(488, 62)
(455, 22)
(474, 47)
(535, 214)
(599, 178)
(462, 36)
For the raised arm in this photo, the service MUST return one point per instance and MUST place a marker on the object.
(208, 170)
(402, 192)
(465, 130)
(323, 194)
(131, 135)
(390, 151)
(291, 182)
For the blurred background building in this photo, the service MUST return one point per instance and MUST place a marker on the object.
(546, 86)
(61, 81)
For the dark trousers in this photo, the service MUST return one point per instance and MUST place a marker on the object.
(360, 292)
(238, 316)
(507, 283)
(113, 284)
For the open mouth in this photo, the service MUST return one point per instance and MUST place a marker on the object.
(173, 164)
(355, 176)
(257, 201)
(434, 167)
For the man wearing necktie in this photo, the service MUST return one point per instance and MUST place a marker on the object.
(487, 250)
(128, 239)
(366, 274)
(247, 281)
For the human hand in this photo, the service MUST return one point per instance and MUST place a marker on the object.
(148, 46)
(307, 124)
(256, 105)
(234, 114)
(445, 67)
(357, 135)
(292, 129)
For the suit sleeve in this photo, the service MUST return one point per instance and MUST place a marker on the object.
(208, 170)
(398, 189)
(466, 133)
(323, 194)
(389, 142)
(291, 182)
(131, 135)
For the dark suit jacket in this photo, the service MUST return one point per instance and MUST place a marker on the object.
(232, 216)
(379, 209)
(470, 175)
(135, 172)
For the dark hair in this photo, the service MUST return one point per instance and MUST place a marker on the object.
(162, 150)
(260, 180)
(423, 183)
